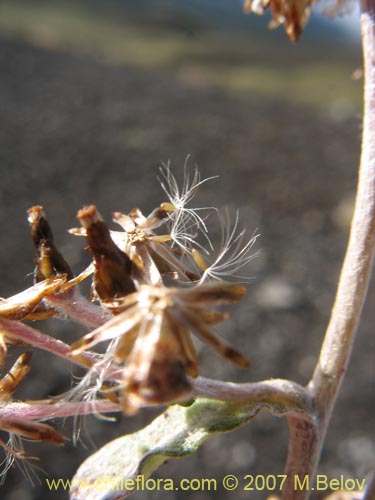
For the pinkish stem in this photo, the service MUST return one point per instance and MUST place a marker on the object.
(306, 442)
(79, 308)
(14, 330)
(47, 409)
(277, 393)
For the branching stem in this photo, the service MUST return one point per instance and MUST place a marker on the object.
(351, 292)
(274, 392)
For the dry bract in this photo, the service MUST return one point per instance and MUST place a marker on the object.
(49, 261)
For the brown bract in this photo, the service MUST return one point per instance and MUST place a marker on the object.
(112, 266)
(49, 261)
(27, 303)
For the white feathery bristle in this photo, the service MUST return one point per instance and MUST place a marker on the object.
(185, 222)
(234, 254)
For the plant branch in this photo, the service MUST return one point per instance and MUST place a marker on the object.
(17, 331)
(275, 393)
(48, 409)
(352, 288)
(79, 308)
(356, 270)
(278, 396)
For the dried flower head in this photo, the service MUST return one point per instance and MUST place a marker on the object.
(152, 253)
(151, 355)
(294, 14)
(153, 339)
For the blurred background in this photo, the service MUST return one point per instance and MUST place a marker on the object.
(94, 95)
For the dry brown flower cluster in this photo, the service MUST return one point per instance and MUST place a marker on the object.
(154, 288)
(294, 14)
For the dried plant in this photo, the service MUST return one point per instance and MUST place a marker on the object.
(154, 283)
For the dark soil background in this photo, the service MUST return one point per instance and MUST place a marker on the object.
(74, 130)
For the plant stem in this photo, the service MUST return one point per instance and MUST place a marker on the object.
(47, 409)
(356, 271)
(352, 288)
(79, 308)
(276, 393)
(17, 331)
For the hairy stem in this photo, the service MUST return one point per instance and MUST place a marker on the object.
(47, 409)
(17, 331)
(79, 308)
(352, 288)
(279, 397)
(275, 393)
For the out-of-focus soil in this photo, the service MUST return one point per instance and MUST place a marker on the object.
(76, 131)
